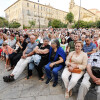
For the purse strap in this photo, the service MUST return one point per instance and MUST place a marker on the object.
(71, 57)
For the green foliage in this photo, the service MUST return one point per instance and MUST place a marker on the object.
(26, 27)
(3, 22)
(57, 24)
(69, 17)
(14, 24)
(32, 23)
(50, 22)
(98, 24)
(84, 24)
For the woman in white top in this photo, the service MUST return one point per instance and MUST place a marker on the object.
(63, 44)
(76, 59)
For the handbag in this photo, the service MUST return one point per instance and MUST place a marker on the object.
(75, 70)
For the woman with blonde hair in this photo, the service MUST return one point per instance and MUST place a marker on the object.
(75, 64)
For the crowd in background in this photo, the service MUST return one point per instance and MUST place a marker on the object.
(76, 51)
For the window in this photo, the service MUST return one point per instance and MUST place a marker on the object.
(28, 12)
(41, 8)
(34, 6)
(27, 4)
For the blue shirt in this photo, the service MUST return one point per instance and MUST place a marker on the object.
(30, 47)
(1, 42)
(89, 48)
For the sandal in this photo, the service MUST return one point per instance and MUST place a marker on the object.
(9, 69)
(41, 79)
(28, 77)
(66, 95)
(70, 93)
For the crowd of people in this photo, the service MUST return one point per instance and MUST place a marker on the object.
(75, 51)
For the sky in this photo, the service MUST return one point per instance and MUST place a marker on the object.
(59, 4)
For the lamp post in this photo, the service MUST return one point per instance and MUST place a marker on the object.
(38, 16)
(79, 15)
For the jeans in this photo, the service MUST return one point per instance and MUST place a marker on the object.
(54, 71)
(35, 60)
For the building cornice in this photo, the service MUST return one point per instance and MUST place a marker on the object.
(35, 3)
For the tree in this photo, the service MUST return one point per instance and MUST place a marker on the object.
(14, 24)
(84, 24)
(98, 24)
(3, 22)
(50, 22)
(69, 17)
(56, 23)
(32, 23)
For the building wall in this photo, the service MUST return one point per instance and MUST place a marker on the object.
(85, 15)
(24, 11)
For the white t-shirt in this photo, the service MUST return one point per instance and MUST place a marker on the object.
(64, 46)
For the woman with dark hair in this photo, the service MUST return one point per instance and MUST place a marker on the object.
(64, 44)
(57, 58)
(15, 57)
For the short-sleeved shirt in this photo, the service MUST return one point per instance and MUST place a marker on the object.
(44, 56)
(89, 48)
(94, 59)
(72, 46)
(64, 46)
(30, 47)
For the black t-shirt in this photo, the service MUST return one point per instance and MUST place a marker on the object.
(69, 40)
(44, 56)
(24, 44)
(53, 54)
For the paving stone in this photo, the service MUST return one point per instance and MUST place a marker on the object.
(32, 89)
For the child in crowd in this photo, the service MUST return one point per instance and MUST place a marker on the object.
(7, 50)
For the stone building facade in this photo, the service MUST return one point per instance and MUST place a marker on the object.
(24, 11)
(85, 15)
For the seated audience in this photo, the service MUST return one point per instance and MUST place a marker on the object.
(7, 50)
(71, 45)
(89, 47)
(76, 60)
(23, 62)
(15, 57)
(57, 58)
(93, 62)
(43, 51)
(63, 44)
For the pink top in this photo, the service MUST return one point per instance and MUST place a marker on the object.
(8, 50)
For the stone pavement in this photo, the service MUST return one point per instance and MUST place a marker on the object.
(31, 89)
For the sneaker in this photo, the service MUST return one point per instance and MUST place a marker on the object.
(55, 84)
(8, 78)
(48, 80)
